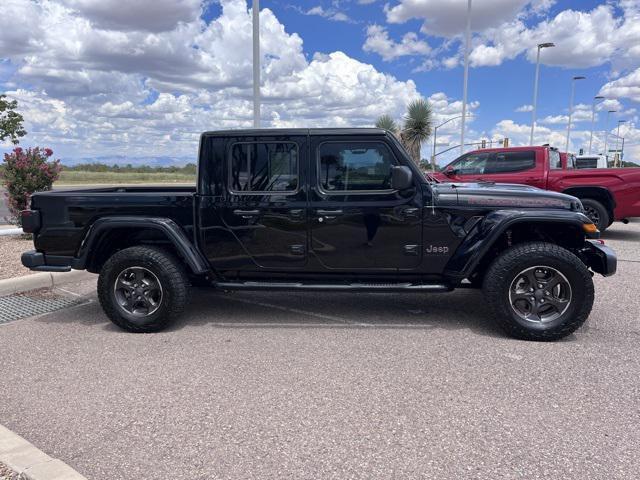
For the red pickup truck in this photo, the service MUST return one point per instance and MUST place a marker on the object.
(607, 194)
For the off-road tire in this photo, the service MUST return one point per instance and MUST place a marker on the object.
(168, 270)
(505, 268)
(601, 217)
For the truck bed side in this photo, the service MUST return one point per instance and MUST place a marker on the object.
(623, 183)
(68, 215)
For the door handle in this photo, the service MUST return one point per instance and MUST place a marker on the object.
(246, 213)
(410, 211)
(297, 213)
(329, 212)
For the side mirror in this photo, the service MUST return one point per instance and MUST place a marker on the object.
(401, 178)
(450, 172)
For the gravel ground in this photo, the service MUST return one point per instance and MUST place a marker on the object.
(6, 473)
(11, 248)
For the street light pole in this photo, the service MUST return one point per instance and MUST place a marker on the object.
(606, 135)
(256, 63)
(616, 156)
(435, 134)
(535, 88)
(573, 89)
(466, 76)
(593, 119)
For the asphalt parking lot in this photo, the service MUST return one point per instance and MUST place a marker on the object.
(264, 385)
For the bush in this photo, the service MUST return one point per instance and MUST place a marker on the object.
(25, 172)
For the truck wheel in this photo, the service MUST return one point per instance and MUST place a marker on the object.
(143, 289)
(539, 291)
(596, 213)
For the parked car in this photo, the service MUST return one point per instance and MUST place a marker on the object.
(607, 194)
(329, 210)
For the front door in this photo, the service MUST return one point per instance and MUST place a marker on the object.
(265, 203)
(357, 220)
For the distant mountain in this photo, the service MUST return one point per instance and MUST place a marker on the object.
(121, 160)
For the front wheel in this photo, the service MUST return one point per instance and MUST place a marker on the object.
(596, 213)
(539, 291)
(142, 289)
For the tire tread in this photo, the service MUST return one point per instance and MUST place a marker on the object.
(178, 285)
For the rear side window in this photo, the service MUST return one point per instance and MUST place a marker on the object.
(264, 167)
(555, 162)
(354, 166)
(508, 162)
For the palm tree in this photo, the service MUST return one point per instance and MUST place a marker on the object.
(417, 127)
(388, 123)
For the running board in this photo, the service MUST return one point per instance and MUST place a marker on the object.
(340, 287)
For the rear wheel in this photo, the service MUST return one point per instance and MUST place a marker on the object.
(143, 289)
(539, 291)
(596, 213)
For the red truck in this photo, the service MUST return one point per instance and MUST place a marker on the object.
(607, 194)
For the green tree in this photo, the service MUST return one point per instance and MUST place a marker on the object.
(388, 123)
(418, 123)
(10, 121)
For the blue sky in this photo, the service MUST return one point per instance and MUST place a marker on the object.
(100, 78)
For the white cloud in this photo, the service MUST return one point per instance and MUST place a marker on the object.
(448, 18)
(98, 90)
(118, 15)
(525, 108)
(378, 41)
(583, 39)
(329, 13)
(625, 87)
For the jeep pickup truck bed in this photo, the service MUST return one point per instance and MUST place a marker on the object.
(607, 194)
(325, 210)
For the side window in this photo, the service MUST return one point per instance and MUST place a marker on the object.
(354, 166)
(508, 162)
(263, 167)
(554, 160)
(471, 164)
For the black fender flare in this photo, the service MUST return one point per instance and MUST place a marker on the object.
(484, 234)
(192, 256)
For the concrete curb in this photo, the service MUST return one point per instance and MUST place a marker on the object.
(42, 280)
(11, 231)
(30, 462)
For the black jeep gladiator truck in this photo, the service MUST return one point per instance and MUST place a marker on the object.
(323, 210)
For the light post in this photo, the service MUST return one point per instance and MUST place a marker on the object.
(593, 117)
(435, 134)
(606, 134)
(573, 89)
(466, 75)
(535, 88)
(617, 157)
(256, 63)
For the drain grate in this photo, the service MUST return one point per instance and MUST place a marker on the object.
(15, 307)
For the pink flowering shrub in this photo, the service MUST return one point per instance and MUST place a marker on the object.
(25, 172)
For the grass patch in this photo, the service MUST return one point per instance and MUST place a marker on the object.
(75, 177)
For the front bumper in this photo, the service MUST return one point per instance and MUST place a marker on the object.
(600, 258)
(51, 263)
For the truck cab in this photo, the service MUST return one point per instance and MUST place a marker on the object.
(607, 194)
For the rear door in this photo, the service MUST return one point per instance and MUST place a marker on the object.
(265, 202)
(358, 222)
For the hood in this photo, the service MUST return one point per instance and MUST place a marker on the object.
(501, 195)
